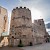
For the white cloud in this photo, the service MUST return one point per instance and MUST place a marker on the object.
(47, 22)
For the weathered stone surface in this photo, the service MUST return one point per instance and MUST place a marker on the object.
(39, 31)
(3, 20)
(21, 28)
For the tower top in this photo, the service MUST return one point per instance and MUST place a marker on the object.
(21, 8)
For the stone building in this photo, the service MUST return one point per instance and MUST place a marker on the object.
(20, 27)
(3, 20)
(3, 24)
(39, 31)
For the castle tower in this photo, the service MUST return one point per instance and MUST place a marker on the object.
(39, 31)
(3, 20)
(20, 27)
(41, 24)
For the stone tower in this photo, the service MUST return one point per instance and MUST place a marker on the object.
(3, 20)
(39, 31)
(40, 23)
(20, 27)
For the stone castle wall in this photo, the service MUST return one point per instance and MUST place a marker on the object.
(20, 27)
(3, 20)
(39, 31)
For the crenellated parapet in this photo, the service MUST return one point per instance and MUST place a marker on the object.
(39, 22)
(21, 8)
(21, 26)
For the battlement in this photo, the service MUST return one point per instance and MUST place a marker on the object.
(21, 8)
(38, 20)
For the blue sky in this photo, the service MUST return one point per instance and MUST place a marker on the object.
(42, 7)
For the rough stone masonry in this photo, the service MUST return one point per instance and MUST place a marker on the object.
(21, 28)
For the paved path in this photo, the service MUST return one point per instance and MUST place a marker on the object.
(45, 46)
(10, 48)
(38, 47)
